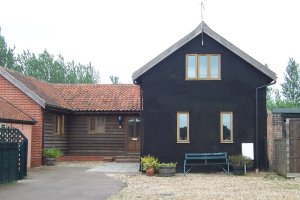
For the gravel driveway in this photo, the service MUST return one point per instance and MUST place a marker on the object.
(208, 186)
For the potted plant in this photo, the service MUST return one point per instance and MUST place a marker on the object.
(50, 155)
(166, 169)
(239, 163)
(149, 164)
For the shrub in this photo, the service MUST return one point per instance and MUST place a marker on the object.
(149, 161)
(167, 164)
(240, 160)
(52, 152)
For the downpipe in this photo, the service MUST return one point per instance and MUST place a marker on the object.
(256, 120)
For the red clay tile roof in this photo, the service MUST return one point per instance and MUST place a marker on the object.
(43, 89)
(105, 97)
(83, 97)
(9, 113)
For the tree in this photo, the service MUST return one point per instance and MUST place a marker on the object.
(47, 67)
(7, 56)
(291, 84)
(114, 79)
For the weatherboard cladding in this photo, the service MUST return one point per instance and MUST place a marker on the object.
(166, 92)
(203, 27)
(77, 97)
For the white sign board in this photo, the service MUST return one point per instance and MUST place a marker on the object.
(247, 150)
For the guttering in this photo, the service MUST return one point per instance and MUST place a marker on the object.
(256, 118)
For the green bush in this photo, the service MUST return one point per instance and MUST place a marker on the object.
(240, 160)
(52, 152)
(149, 161)
(167, 164)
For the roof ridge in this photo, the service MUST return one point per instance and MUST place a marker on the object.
(25, 75)
(203, 27)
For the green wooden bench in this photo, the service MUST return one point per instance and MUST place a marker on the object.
(192, 159)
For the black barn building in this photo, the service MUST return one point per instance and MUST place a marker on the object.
(203, 94)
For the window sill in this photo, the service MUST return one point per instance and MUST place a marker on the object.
(183, 142)
(226, 142)
(204, 79)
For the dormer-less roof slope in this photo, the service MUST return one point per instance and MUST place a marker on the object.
(104, 97)
(213, 35)
(42, 90)
(11, 114)
(77, 97)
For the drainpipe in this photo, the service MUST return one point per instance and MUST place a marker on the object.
(142, 120)
(256, 118)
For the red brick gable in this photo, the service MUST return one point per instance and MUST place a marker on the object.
(10, 113)
(15, 96)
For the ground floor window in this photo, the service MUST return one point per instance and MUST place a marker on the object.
(96, 124)
(134, 127)
(226, 127)
(58, 122)
(183, 135)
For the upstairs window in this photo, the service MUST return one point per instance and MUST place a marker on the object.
(226, 127)
(203, 67)
(183, 135)
(58, 122)
(96, 124)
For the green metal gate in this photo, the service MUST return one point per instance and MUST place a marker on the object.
(13, 155)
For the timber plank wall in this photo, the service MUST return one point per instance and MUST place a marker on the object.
(50, 138)
(76, 139)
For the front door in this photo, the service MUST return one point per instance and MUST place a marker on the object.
(294, 145)
(134, 134)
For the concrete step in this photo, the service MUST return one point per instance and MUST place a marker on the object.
(128, 158)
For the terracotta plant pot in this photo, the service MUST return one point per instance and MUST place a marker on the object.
(150, 171)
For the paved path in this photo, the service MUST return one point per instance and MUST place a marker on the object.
(61, 183)
(113, 167)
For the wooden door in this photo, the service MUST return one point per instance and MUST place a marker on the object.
(134, 134)
(294, 145)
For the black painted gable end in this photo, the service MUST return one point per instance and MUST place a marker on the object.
(166, 92)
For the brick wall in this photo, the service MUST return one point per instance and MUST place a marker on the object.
(270, 138)
(277, 125)
(280, 156)
(16, 97)
(277, 146)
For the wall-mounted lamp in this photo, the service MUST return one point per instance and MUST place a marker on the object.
(120, 121)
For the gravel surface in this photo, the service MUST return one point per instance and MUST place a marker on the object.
(262, 186)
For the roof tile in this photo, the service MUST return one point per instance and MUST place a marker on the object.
(84, 97)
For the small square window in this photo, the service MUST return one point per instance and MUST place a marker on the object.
(96, 124)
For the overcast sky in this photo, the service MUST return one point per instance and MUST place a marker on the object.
(120, 36)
